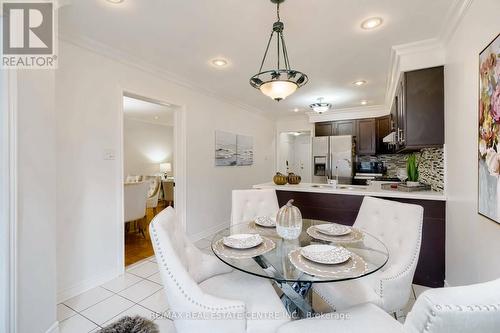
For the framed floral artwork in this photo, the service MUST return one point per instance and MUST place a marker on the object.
(489, 132)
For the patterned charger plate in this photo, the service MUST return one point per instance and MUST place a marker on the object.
(221, 250)
(354, 267)
(354, 236)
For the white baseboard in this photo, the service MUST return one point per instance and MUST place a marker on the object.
(208, 232)
(83, 286)
(54, 328)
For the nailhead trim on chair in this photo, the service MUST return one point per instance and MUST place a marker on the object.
(183, 292)
(407, 268)
(440, 308)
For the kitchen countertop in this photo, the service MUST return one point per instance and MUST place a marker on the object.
(374, 189)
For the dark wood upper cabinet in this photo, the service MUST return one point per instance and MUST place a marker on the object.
(323, 129)
(366, 137)
(345, 127)
(420, 116)
(384, 128)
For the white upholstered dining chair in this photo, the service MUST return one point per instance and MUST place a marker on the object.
(249, 204)
(135, 197)
(153, 192)
(198, 283)
(399, 226)
(468, 309)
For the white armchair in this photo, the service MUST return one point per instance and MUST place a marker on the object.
(399, 227)
(199, 284)
(469, 309)
(135, 197)
(249, 204)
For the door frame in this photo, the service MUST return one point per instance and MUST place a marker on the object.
(179, 164)
(8, 201)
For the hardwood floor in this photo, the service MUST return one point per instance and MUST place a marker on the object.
(136, 246)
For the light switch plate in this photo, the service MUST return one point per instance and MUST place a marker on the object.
(109, 154)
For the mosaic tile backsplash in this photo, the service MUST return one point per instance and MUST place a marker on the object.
(431, 167)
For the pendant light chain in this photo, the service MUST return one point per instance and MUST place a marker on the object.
(278, 83)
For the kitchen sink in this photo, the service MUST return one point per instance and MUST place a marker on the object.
(341, 187)
(352, 187)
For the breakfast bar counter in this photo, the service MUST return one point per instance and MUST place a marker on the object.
(374, 190)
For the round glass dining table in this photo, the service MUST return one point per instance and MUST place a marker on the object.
(292, 273)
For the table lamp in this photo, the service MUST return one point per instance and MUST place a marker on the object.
(165, 168)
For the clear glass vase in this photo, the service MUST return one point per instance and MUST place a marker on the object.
(289, 221)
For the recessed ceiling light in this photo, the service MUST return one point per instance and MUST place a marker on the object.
(219, 62)
(371, 23)
(296, 110)
(156, 117)
(359, 82)
(363, 102)
(115, 1)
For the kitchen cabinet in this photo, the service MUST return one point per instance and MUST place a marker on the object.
(384, 127)
(345, 127)
(366, 137)
(420, 109)
(323, 129)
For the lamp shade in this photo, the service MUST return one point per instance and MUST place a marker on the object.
(278, 89)
(165, 167)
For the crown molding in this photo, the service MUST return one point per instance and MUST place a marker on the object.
(361, 112)
(131, 61)
(402, 56)
(453, 18)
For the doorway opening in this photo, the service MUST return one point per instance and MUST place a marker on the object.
(148, 167)
(294, 154)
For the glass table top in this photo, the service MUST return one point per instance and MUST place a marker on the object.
(368, 254)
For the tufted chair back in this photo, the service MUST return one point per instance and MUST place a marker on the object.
(135, 197)
(399, 226)
(474, 308)
(249, 204)
(182, 267)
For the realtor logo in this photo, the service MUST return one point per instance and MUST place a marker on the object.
(28, 35)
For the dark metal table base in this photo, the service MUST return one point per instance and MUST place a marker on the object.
(295, 294)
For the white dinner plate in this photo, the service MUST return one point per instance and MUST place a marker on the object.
(242, 241)
(325, 254)
(266, 221)
(333, 229)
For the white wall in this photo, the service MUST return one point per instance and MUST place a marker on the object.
(145, 146)
(88, 122)
(36, 224)
(472, 242)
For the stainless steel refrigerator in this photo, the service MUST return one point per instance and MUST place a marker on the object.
(332, 156)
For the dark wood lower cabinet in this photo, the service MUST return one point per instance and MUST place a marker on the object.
(343, 209)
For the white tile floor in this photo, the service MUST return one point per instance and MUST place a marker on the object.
(138, 292)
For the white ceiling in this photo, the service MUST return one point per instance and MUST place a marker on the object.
(323, 37)
(147, 111)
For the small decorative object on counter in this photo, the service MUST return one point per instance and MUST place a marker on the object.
(293, 179)
(280, 179)
(289, 221)
(412, 168)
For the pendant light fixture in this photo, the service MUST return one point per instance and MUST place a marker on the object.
(283, 81)
(320, 107)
